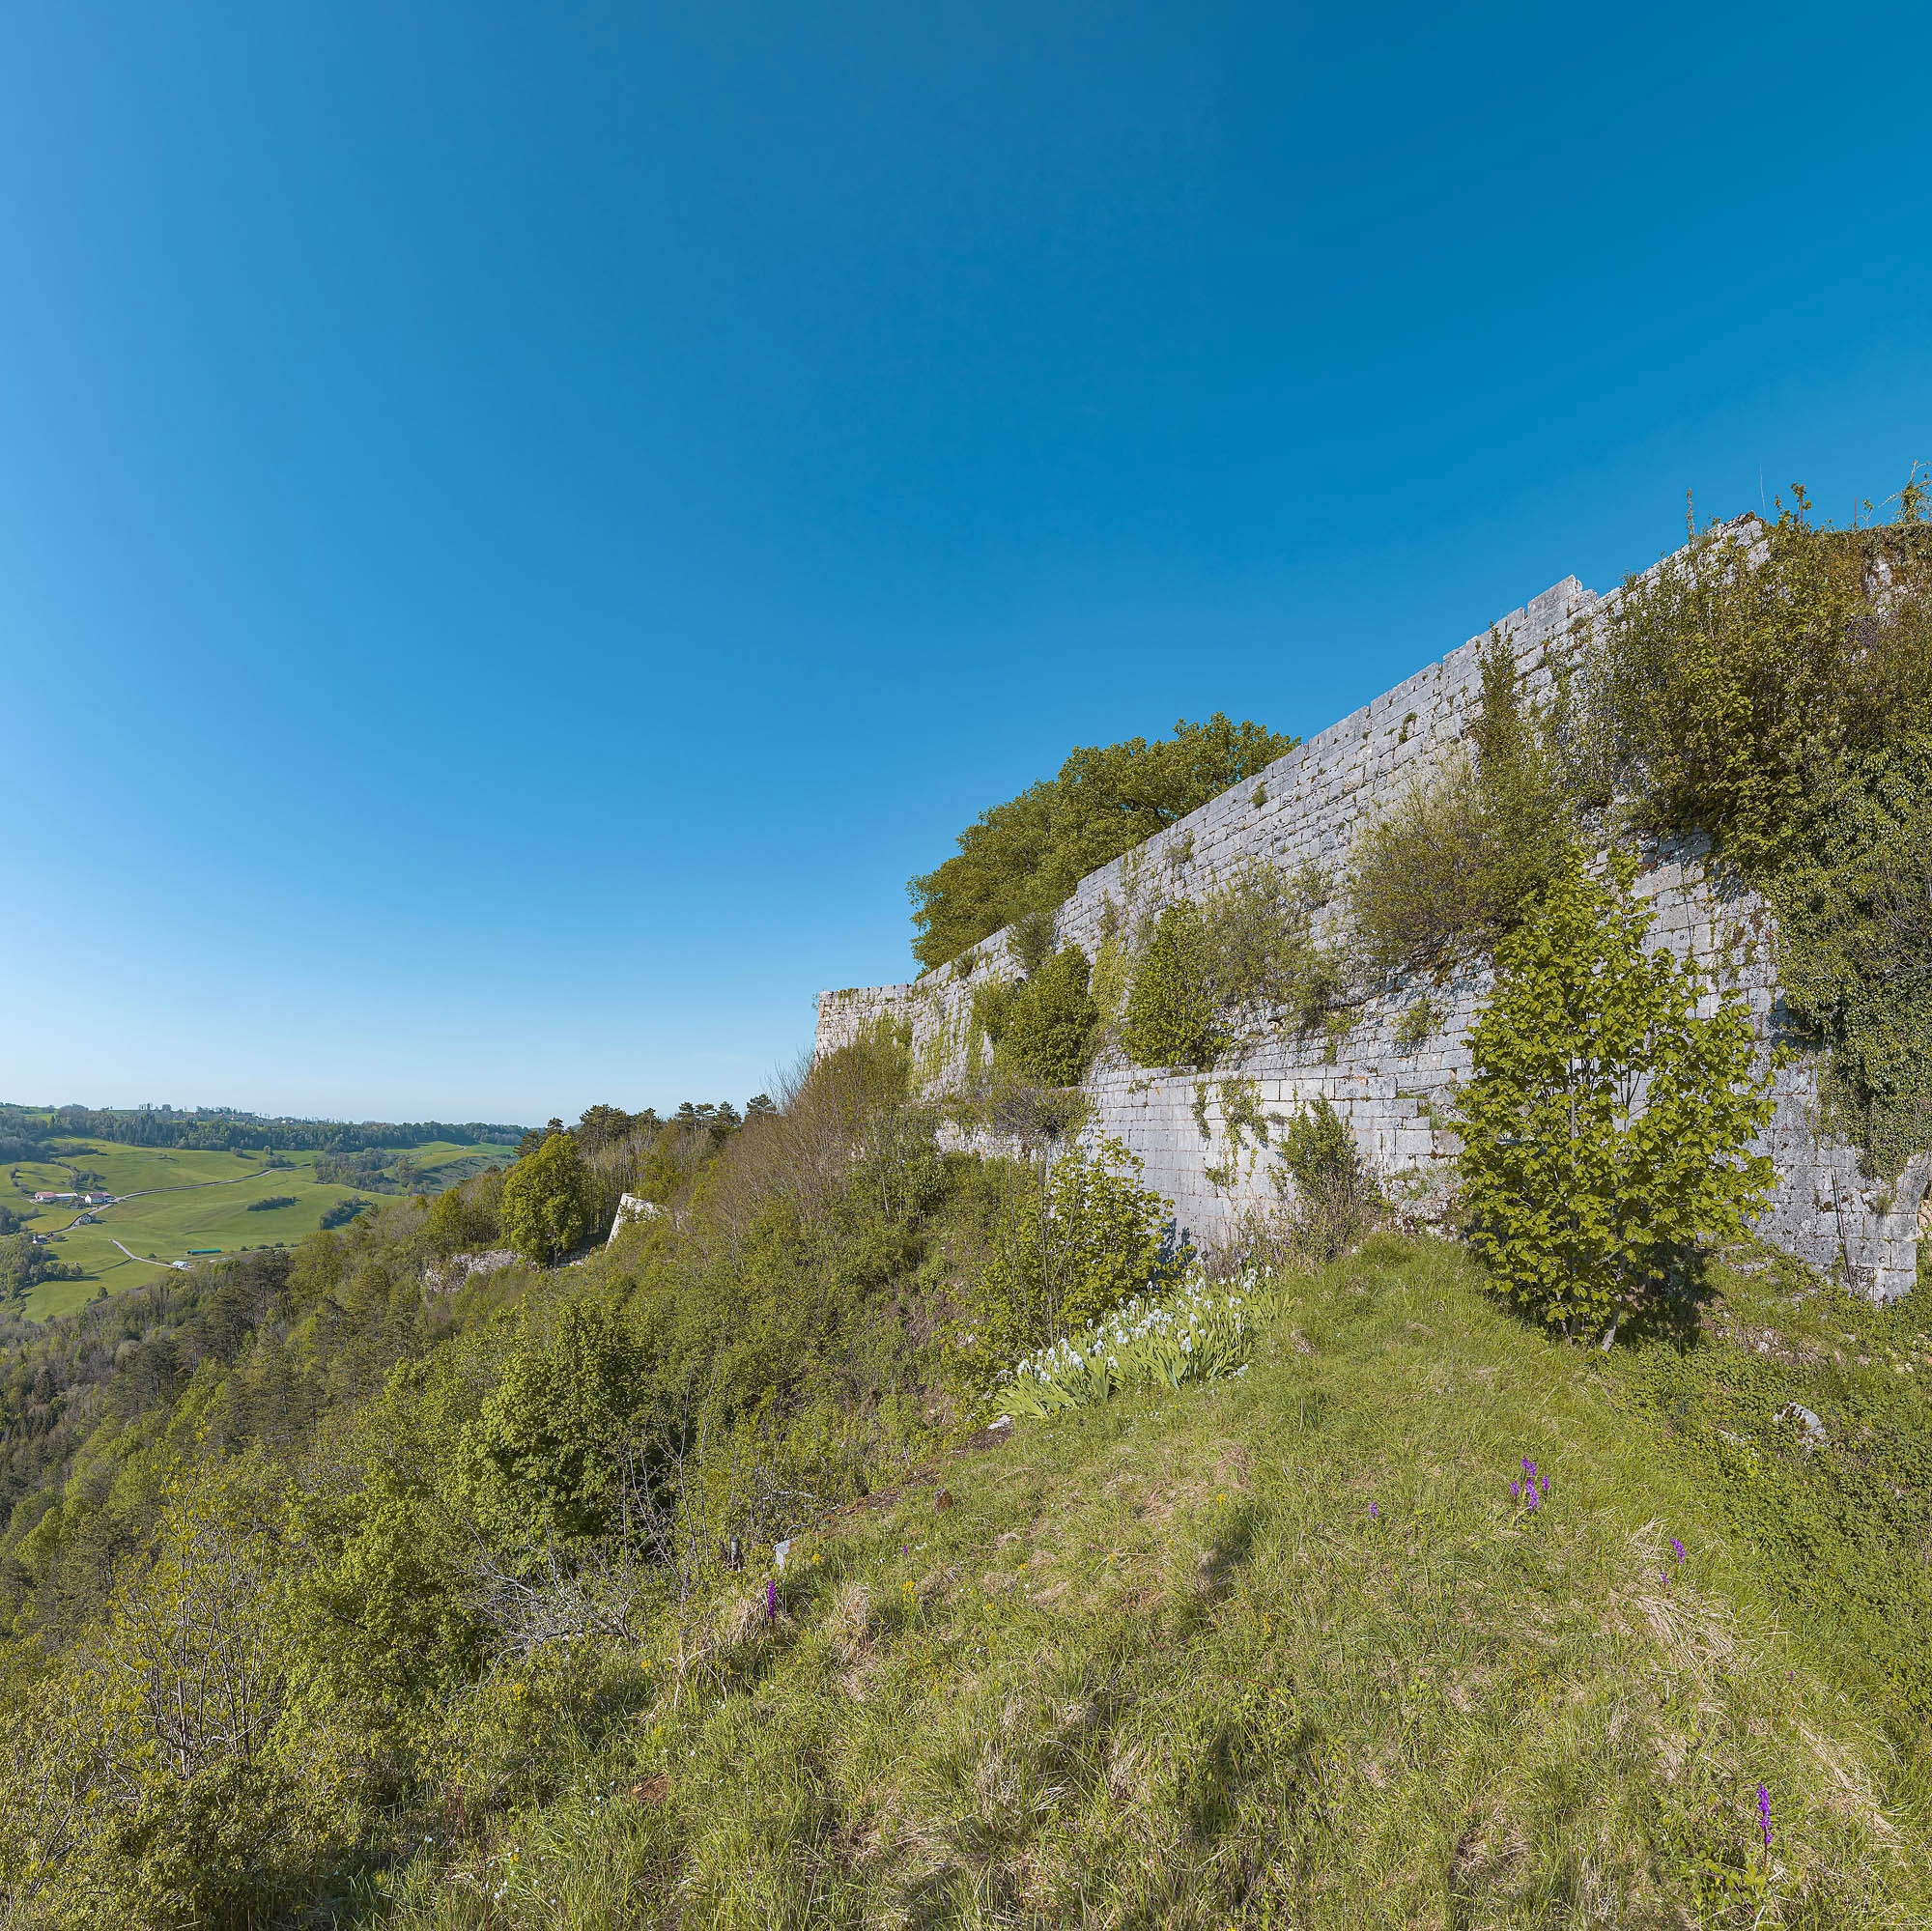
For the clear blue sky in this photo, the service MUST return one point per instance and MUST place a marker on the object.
(520, 528)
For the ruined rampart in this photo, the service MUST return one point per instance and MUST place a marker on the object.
(1198, 1134)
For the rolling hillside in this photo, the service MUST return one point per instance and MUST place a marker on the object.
(172, 1202)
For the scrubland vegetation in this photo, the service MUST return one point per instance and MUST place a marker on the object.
(357, 1586)
(459, 1568)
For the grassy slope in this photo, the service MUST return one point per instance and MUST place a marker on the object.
(168, 1224)
(1160, 1665)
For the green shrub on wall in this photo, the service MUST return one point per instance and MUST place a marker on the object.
(1854, 907)
(1047, 1034)
(1728, 682)
(1168, 1019)
(1258, 950)
(1452, 865)
(1588, 1210)
(1780, 698)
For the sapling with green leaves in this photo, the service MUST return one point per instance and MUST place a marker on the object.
(1170, 1016)
(1047, 1034)
(1331, 1191)
(1607, 1130)
(549, 1202)
(1077, 1236)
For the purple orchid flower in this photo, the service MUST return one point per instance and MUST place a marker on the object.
(1764, 1816)
(1372, 1509)
(1677, 1546)
(1516, 1489)
(770, 1602)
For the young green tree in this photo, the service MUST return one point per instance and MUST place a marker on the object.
(549, 1201)
(1048, 1028)
(1607, 1131)
(1170, 1019)
(1074, 1240)
(541, 1448)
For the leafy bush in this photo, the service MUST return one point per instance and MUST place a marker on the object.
(543, 1449)
(1205, 1331)
(1025, 856)
(344, 1212)
(1046, 1028)
(549, 1205)
(1588, 1211)
(1031, 939)
(1778, 697)
(1168, 1019)
(1729, 681)
(271, 1202)
(1419, 1022)
(1073, 1239)
(1452, 865)
(1257, 952)
(1852, 898)
(1332, 1195)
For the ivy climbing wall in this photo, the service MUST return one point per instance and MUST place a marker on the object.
(1206, 1141)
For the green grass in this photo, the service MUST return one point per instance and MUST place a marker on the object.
(187, 1212)
(1160, 1665)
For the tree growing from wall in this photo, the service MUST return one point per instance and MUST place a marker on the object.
(1170, 1016)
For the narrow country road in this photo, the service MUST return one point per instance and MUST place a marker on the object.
(148, 1260)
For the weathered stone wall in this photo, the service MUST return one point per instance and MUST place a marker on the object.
(1197, 1136)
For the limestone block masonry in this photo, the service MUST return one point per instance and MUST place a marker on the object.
(1196, 1135)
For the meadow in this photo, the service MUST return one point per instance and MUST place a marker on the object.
(187, 1201)
(1292, 1649)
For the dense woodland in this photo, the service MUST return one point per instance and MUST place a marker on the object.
(25, 1131)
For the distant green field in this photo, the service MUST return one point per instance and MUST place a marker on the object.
(187, 1200)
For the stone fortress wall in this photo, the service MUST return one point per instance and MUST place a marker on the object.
(1194, 1133)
